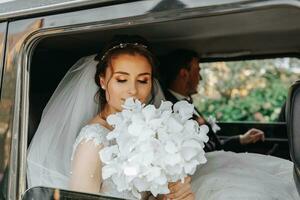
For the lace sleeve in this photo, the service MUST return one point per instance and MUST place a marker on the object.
(86, 164)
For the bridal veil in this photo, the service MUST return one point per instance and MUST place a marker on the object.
(71, 106)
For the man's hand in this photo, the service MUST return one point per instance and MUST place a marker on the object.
(200, 120)
(180, 191)
(251, 136)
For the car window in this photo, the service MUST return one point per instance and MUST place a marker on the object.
(46, 70)
(251, 90)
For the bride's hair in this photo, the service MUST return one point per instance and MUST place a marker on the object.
(121, 44)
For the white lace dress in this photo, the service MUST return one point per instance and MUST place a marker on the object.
(226, 175)
(96, 134)
(243, 176)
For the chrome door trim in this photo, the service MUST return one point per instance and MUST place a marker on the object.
(37, 28)
(3, 35)
(12, 93)
(18, 9)
(15, 9)
(5, 136)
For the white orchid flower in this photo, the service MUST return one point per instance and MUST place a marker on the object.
(184, 109)
(108, 153)
(165, 106)
(214, 126)
(149, 112)
(133, 104)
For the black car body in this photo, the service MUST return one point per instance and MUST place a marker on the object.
(40, 40)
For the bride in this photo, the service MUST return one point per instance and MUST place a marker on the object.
(60, 157)
(124, 69)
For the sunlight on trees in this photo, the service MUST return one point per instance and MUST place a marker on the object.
(246, 90)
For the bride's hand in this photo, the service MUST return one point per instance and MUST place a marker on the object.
(181, 191)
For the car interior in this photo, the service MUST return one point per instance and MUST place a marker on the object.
(251, 34)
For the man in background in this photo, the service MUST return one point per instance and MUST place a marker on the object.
(181, 72)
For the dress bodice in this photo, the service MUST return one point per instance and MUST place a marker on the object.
(97, 134)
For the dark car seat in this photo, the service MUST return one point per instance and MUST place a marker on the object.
(293, 128)
(36, 105)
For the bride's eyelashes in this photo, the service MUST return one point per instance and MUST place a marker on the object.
(121, 81)
(142, 81)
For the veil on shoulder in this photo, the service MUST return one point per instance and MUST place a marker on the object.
(70, 107)
(68, 110)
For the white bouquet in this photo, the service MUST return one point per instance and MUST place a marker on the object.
(152, 146)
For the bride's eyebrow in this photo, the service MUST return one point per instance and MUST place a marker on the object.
(120, 72)
(143, 74)
(126, 73)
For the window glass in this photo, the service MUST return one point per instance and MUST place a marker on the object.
(253, 90)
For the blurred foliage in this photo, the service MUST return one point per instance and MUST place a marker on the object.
(246, 90)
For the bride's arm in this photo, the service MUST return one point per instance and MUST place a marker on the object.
(86, 168)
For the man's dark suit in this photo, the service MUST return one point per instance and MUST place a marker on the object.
(214, 143)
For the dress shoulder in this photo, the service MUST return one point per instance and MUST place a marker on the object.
(94, 132)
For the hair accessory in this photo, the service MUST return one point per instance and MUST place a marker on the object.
(121, 46)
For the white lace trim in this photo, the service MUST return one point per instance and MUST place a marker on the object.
(94, 132)
(97, 134)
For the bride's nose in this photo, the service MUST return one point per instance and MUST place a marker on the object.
(132, 90)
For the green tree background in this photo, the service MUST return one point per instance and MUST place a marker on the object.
(246, 90)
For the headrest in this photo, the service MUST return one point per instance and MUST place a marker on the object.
(293, 122)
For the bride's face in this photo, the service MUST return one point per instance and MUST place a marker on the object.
(127, 76)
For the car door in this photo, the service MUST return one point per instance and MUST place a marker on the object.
(23, 36)
(27, 34)
(5, 114)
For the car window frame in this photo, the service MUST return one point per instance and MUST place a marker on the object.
(3, 35)
(5, 143)
(73, 22)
